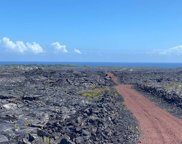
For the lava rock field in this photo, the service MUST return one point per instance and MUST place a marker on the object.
(45, 105)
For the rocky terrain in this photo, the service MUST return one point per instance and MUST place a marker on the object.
(162, 86)
(59, 105)
(156, 125)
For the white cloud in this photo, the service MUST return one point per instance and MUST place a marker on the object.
(58, 47)
(21, 47)
(35, 47)
(77, 51)
(177, 50)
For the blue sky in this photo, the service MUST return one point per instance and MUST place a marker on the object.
(91, 30)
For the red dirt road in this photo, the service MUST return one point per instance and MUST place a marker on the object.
(156, 125)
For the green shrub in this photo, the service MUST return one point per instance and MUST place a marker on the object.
(94, 92)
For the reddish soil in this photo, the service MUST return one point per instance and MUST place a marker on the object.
(157, 126)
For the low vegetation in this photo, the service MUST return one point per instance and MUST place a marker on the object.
(95, 92)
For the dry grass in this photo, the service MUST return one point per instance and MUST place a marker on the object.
(94, 92)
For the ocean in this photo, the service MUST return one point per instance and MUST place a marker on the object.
(105, 64)
(130, 65)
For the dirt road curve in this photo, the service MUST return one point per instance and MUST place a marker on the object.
(156, 125)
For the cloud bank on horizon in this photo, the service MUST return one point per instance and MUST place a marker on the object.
(21, 47)
(32, 47)
(176, 51)
(56, 49)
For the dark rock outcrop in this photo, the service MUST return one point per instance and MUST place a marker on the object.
(42, 104)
